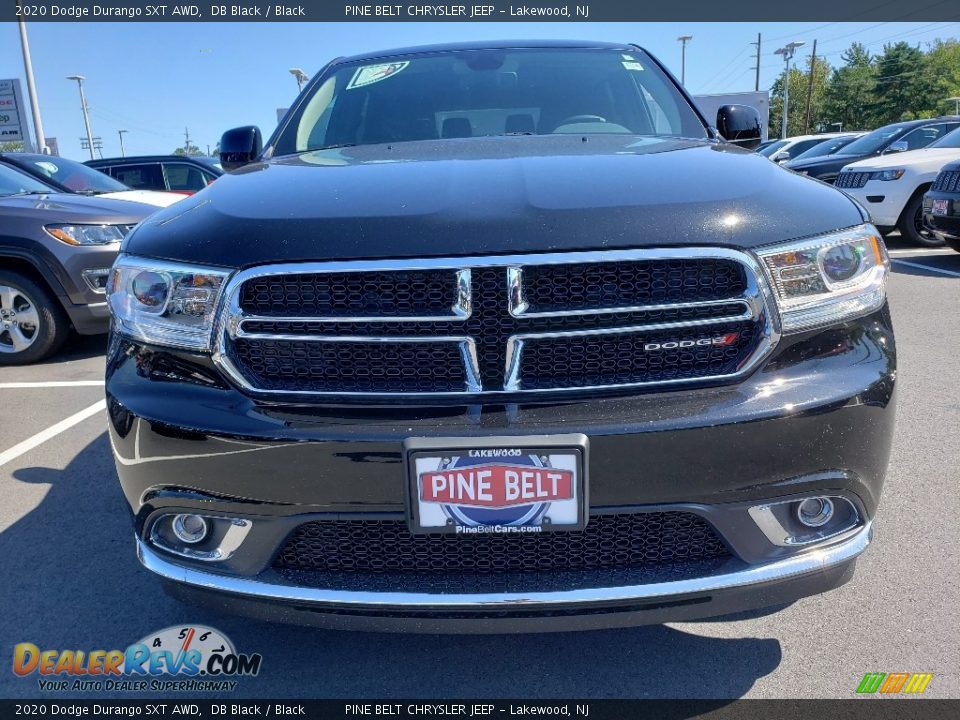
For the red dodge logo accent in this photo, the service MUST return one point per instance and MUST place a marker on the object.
(496, 486)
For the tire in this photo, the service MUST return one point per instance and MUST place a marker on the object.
(45, 326)
(953, 243)
(911, 224)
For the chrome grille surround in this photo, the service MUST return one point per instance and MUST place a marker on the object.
(756, 304)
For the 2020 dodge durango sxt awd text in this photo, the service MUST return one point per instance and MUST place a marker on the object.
(500, 337)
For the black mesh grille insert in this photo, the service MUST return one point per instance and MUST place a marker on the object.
(306, 366)
(609, 541)
(287, 363)
(947, 181)
(617, 284)
(618, 359)
(346, 294)
(852, 179)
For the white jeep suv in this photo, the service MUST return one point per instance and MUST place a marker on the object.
(891, 187)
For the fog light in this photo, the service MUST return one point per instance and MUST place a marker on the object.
(189, 529)
(815, 512)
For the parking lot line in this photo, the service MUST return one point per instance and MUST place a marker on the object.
(51, 384)
(918, 251)
(921, 266)
(51, 432)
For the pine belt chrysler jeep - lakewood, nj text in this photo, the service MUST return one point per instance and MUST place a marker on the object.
(501, 337)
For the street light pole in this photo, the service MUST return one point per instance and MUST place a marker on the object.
(86, 116)
(956, 101)
(683, 39)
(32, 89)
(120, 133)
(787, 51)
(301, 77)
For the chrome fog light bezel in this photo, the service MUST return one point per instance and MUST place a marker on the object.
(228, 534)
(771, 517)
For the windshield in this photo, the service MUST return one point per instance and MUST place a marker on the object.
(14, 182)
(827, 147)
(950, 140)
(478, 93)
(871, 142)
(74, 176)
(772, 148)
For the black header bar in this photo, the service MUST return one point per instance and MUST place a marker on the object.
(481, 11)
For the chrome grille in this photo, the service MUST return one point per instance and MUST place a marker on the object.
(852, 179)
(947, 181)
(497, 325)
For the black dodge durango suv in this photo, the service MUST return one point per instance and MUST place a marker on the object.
(496, 337)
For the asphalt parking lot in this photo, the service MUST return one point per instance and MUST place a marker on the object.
(70, 578)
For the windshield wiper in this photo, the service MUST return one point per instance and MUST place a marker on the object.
(332, 147)
(31, 192)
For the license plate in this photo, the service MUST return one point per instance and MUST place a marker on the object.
(497, 485)
(940, 207)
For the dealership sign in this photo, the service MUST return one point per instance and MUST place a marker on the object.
(12, 125)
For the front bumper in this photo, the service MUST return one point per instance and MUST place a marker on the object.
(884, 200)
(816, 418)
(947, 225)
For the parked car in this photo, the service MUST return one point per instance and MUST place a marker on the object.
(173, 173)
(824, 148)
(891, 187)
(74, 177)
(941, 206)
(501, 336)
(783, 150)
(55, 255)
(898, 137)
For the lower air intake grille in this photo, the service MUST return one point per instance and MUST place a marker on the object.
(609, 541)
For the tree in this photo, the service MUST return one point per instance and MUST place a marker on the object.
(849, 100)
(899, 84)
(15, 146)
(188, 150)
(799, 82)
(940, 78)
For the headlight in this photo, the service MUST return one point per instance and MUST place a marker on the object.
(887, 174)
(87, 234)
(824, 280)
(164, 303)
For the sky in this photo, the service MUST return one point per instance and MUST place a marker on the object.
(156, 79)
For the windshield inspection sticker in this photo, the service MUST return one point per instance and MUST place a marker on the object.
(375, 73)
(633, 66)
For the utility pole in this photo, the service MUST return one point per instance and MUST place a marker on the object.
(120, 133)
(86, 113)
(756, 82)
(32, 88)
(186, 140)
(813, 64)
(684, 39)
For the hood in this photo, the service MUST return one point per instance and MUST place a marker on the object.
(491, 196)
(70, 208)
(925, 160)
(147, 197)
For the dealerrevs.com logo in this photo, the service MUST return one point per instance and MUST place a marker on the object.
(180, 658)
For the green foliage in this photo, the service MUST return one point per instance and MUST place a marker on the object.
(16, 146)
(902, 83)
(188, 151)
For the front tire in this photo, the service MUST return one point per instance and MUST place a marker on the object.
(911, 224)
(33, 326)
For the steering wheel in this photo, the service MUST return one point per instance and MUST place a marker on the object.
(581, 119)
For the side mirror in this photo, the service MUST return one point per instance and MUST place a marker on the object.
(740, 124)
(897, 146)
(781, 156)
(240, 146)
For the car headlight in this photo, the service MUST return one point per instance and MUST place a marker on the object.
(827, 279)
(165, 303)
(887, 174)
(87, 234)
